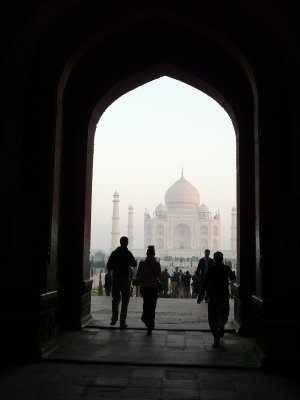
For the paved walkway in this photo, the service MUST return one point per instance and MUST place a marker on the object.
(174, 314)
(181, 338)
(102, 362)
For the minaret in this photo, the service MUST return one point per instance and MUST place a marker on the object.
(130, 227)
(233, 229)
(115, 230)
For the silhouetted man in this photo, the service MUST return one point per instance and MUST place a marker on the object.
(121, 262)
(215, 284)
(203, 265)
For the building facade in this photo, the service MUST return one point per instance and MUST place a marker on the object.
(181, 227)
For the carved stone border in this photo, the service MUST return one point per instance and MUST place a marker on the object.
(86, 315)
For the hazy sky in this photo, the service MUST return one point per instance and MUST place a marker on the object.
(142, 142)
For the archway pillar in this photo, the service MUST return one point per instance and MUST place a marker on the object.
(31, 328)
(75, 305)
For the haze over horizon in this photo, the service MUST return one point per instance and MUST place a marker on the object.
(142, 142)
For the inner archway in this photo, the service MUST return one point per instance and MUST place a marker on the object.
(140, 142)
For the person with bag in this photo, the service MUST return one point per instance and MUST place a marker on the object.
(215, 285)
(149, 276)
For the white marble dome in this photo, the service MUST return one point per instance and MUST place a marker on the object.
(203, 208)
(160, 208)
(182, 193)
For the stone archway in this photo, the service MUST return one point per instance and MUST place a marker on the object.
(95, 83)
(182, 237)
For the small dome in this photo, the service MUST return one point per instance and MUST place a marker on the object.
(203, 208)
(160, 208)
(182, 193)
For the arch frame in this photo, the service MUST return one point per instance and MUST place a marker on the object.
(108, 92)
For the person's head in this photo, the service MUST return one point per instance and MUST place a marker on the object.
(206, 252)
(218, 257)
(176, 269)
(166, 269)
(187, 272)
(151, 251)
(124, 241)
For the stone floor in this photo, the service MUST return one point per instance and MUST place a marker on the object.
(174, 363)
(174, 314)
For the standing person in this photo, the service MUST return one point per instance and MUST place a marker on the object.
(121, 262)
(175, 282)
(216, 284)
(195, 286)
(165, 276)
(203, 265)
(187, 284)
(180, 285)
(107, 283)
(149, 273)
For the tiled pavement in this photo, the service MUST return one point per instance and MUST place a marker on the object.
(68, 381)
(99, 363)
(132, 346)
(173, 314)
(181, 344)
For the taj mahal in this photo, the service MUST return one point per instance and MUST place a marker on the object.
(180, 228)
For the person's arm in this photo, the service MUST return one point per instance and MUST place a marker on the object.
(198, 268)
(159, 271)
(133, 262)
(231, 274)
(203, 287)
(109, 265)
(138, 274)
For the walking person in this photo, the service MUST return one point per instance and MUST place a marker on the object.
(165, 276)
(181, 285)
(121, 262)
(204, 264)
(195, 286)
(175, 282)
(215, 285)
(149, 276)
(187, 285)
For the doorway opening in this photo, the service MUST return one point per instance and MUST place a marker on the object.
(169, 150)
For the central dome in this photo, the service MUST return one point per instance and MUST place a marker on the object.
(182, 193)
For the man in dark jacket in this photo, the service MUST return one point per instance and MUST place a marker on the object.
(121, 262)
(215, 284)
(204, 264)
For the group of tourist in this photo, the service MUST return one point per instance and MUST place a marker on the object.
(210, 283)
(181, 284)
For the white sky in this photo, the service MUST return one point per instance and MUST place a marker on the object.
(142, 142)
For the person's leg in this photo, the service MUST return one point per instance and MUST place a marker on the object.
(149, 304)
(224, 313)
(144, 295)
(125, 291)
(213, 319)
(115, 301)
(176, 289)
(152, 306)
